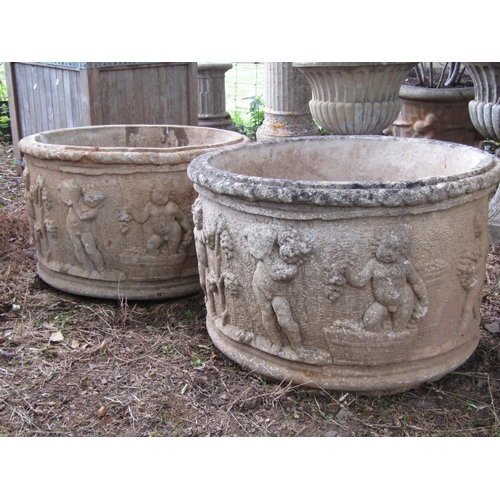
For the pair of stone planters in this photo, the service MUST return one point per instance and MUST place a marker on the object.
(110, 207)
(346, 262)
(351, 263)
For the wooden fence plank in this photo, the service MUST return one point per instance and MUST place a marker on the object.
(10, 70)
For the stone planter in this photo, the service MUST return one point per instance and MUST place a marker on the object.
(109, 207)
(441, 114)
(355, 98)
(349, 263)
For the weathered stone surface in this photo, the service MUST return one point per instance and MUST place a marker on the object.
(441, 114)
(287, 97)
(355, 98)
(345, 262)
(109, 207)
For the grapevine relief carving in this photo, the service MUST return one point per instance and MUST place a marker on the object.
(470, 267)
(39, 204)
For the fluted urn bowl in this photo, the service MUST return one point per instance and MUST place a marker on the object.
(351, 263)
(110, 207)
(355, 98)
(485, 108)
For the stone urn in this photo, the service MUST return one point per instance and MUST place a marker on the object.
(110, 207)
(485, 107)
(351, 263)
(433, 113)
(484, 112)
(355, 98)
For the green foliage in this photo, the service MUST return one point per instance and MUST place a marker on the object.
(5, 131)
(250, 127)
(491, 146)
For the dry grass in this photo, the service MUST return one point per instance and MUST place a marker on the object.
(74, 366)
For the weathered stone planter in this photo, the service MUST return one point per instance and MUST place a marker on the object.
(110, 207)
(355, 98)
(345, 262)
(441, 114)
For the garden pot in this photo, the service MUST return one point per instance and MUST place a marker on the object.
(441, 114)
(109, 207)
(355, 98)
(350, 263)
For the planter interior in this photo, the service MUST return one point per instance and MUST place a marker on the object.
(110, 207)
(349, 263)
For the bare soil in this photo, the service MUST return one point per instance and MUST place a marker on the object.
(77, 366)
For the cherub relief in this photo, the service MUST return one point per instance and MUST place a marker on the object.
(399, 291)
(279, 257)
(80, 223)
(172, 231)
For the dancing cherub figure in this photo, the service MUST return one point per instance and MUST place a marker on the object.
(399, 291)
(171, 227)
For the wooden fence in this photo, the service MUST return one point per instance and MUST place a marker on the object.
(48, 96)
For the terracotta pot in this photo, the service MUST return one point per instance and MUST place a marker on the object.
(355, 98)
(349, 263)
(109, 207)
(441, 114)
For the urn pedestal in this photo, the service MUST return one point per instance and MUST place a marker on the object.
(110, 207)
(350, 263)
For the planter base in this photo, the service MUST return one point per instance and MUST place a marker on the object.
(92, 285)
(387, 379)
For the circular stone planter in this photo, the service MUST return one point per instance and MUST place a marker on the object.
(351, 263)
(441, 114)
(109, 207)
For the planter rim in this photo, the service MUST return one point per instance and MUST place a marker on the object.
(207, 66)
(441, 94)
(484, 174)
(32, 145)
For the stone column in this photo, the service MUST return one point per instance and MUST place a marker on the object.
(287, 96)
(212, 95)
